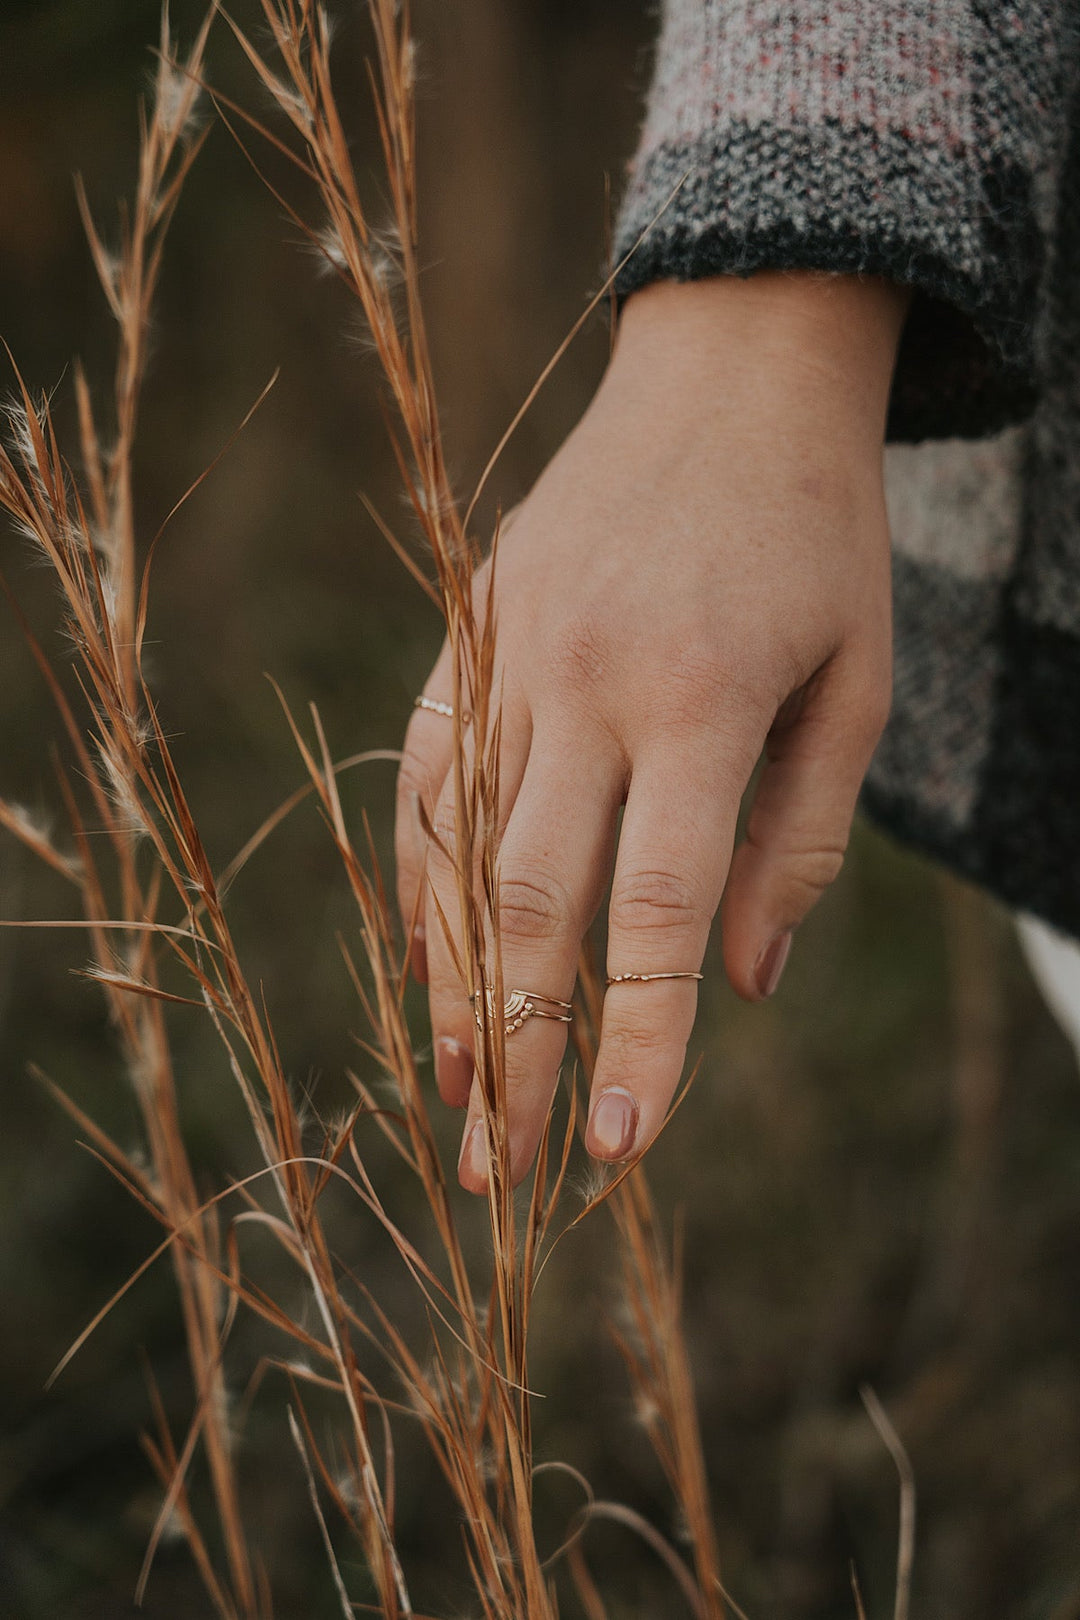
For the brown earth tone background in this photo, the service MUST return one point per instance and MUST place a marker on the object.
(879, 1175)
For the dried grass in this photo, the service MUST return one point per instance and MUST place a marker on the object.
(156, 918)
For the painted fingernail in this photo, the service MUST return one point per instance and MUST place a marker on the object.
(453, 1070)
(612, 1124)
(473, 1159)
(770, 964)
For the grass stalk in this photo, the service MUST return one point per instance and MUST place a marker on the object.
(156, 915)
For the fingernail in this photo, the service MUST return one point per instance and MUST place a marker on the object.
(453, 1070)
(613, 1124)
(770, 964)
(472, 1160)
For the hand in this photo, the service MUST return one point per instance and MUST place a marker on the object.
(701, 573)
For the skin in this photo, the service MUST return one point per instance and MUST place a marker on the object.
(699, 577)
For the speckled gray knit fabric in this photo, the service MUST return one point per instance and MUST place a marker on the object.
(936, 142)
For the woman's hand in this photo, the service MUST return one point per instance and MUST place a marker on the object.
(701, 572)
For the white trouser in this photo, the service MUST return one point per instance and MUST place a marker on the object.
(1055, 962)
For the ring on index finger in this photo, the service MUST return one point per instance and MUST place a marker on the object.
(436, 706)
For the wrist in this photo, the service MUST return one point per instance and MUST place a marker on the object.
(808, 340)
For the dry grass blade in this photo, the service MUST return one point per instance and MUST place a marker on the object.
(197, 483)
(178, 1236)
(163, 1459)
(659, 1368)
(606, 291)
(101, 1141)
(905, 1549)
(654, 1348)
(684, 1578)
(740, 1614)
(37, 840)
(313, 1493)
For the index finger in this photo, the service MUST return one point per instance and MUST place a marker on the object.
(425, 760)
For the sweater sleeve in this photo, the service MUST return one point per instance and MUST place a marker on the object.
(915, 139)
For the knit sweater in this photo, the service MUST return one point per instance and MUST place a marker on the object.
(935, 142)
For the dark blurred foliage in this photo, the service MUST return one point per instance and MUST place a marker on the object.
(879, 1175)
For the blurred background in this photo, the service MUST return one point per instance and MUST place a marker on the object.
(879, 1174)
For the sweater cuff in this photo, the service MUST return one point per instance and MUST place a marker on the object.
(784, 137)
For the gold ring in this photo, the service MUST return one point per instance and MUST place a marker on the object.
(521, 1005)
(434, 706)
(647, 978)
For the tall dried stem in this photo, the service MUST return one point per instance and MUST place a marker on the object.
(468, 1386)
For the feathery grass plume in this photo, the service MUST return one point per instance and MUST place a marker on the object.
(152, 902)
(86, 533)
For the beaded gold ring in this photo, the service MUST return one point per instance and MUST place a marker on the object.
(521, 1005)
(434, 706)
(647, 978)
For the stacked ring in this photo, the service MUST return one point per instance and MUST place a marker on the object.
(521, 1005)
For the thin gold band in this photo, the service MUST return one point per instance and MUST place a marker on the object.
(647, 978)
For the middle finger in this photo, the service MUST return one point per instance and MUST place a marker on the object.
(448, 895)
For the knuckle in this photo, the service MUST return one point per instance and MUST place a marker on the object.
(693, 688)
(809, 872)
(580, 654)
(722, 704)
(654, 899)
(635, 1046)
(532, 906)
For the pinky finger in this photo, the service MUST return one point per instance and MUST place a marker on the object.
(798, 827)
